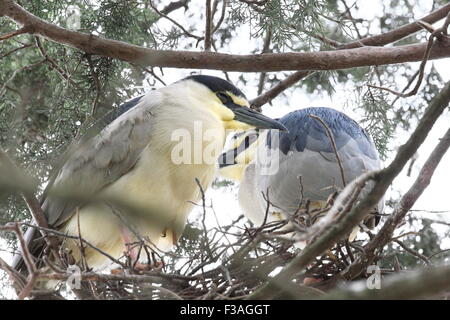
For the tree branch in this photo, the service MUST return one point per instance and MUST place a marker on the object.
(208, 27)
(273, 92)
(435, 33)
(187, 33)
(413, 285)
(378, 40)
(384, 235)
(14, 33)
(32, 203)
(52, 62)
(174, 6)
(27, 45)
(323, 60)
(399, 33)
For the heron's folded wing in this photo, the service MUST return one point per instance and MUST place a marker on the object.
(308, 133)
(99, 160)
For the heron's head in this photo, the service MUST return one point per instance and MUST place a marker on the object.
(241, 151)
(228, 103)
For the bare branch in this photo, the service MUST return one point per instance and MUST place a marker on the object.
(266, 49)
(269, 95)
(150, 71)
(97, 85)
(27, 257)
(377, 40)
(11, 78)
(32, 203)
(23, 30)
(222, 16)
(174, 6)
(52, 62)
(255, 2)
(323, 60)
(208, 27)
(426, 56)
(325, 40)
(413, 252)
(399, 33)
(187, 33)
(27, 45)
(412, 285)
(407, 201)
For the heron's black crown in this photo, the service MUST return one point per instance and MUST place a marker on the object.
(216, 84)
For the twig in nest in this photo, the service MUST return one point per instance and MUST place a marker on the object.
(80, 241)
(51, 231)
(266, 214)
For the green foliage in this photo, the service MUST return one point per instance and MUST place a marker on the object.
(377, 121)
(289, 21)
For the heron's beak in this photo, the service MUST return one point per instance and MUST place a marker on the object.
(228, 158)
(256, 119)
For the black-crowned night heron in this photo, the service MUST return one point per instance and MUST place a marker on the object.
(147, 155)
(299, 161)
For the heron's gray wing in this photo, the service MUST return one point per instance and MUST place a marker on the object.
(100, 159)
(308, 133)
(306, 151)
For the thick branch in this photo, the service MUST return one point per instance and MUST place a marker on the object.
(324, 60)
(384, 235)
(381, 39)
(413, 285)
(270, 94)
(399, 33)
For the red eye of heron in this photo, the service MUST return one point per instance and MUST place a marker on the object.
(224, 98)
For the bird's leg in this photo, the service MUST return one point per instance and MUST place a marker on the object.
(132, 250)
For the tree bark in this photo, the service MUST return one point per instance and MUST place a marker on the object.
(323, 60)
